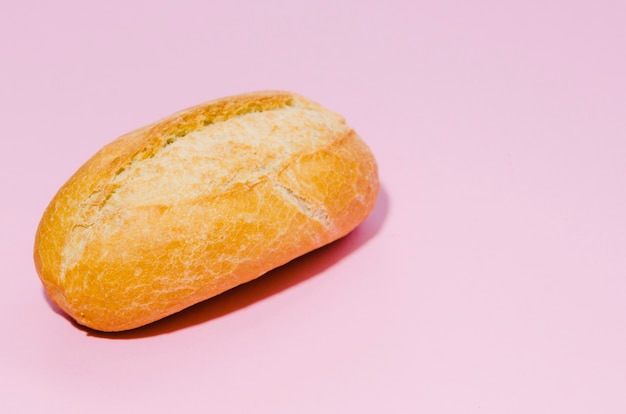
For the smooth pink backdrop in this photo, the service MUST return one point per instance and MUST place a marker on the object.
(491, 277)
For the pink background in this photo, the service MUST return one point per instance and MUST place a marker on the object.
(489, 279)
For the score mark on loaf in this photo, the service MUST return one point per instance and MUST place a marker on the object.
(204, 200)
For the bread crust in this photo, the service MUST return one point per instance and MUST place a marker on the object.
(206, 199)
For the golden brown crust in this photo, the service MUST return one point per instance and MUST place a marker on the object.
(199, 202)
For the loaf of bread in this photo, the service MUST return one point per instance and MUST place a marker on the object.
(195, 204)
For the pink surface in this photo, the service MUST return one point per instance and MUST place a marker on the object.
(491, 278)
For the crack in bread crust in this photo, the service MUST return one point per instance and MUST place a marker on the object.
(305, 206)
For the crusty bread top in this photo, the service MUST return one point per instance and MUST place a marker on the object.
(168, 176)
